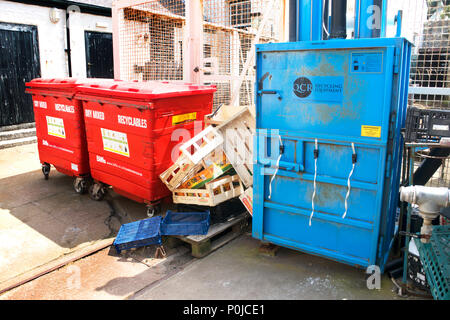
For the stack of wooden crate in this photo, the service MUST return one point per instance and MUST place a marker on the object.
(201, 174)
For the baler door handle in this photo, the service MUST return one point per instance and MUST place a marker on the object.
(261, 90)
(288, 166)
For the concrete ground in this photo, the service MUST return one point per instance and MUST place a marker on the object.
(240, 271)
(42, 221)
(103, 275)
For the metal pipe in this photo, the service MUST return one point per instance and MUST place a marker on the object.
(338, 19)
(309, 20)
(326, 27)
(293, 20)
(370, 18)
(68, 47)
(430, 201)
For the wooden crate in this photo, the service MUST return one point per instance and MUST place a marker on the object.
(202, 145)
(180, 171)
(225, 113)
(215, 192)
(238, 143)
(247, 199)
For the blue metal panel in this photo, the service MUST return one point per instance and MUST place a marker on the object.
(309, 20)
(366, 18)
(337, 92)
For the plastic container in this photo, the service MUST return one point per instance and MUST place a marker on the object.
(435, 257)
(129, 129)
(185, 223)
(138, 234)
(60, 127)
(427, 125)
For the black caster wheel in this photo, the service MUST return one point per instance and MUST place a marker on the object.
(152, 210)
(97, 192)
(80, 185)
(46, 170)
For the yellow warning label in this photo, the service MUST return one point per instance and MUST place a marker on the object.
(371, 131)
(183, 118)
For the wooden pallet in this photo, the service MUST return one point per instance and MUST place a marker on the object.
(238, 134)
(218, 235)
(215, 192)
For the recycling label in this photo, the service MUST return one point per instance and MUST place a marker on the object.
(55, 127)
(116, 142)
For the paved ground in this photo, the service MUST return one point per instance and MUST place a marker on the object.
(104, 275)
(40, 221)
(239, 271)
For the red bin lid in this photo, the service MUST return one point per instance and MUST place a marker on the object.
(56, 83)
(144, 90)
(64, 83)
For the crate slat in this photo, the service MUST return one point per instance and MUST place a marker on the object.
(206, 197)
(238, 135)
(205, 142)
(180, 171)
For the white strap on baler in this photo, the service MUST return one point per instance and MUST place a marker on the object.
(316, 155)
(276, 169)
(348, 180)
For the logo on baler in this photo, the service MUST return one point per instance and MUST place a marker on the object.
(303, 87)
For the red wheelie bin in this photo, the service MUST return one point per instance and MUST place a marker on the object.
(60, 127)
(129, 129)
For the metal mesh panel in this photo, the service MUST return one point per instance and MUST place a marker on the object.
(430, 62)
(441, 177)
(426, 23)
(230, 28)
(151, 40)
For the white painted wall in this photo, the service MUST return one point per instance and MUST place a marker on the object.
(52, 36)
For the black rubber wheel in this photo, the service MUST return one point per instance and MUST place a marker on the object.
(151, 211)
(80, 186)
(46, 170)
(97, 192)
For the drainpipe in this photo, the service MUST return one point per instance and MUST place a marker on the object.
(430, 201)
(68, 49)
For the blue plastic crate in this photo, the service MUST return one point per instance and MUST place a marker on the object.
(435, 257)
(138, 234)
(185, 223)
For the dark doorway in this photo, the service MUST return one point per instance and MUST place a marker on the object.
(19, 63)
(99, 54)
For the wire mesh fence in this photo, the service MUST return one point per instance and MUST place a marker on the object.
(151, 40)
(427, 24)
(430, 62)
(441, 178)
(152, 36)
